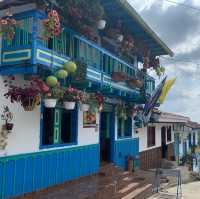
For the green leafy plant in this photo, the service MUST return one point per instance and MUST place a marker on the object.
(8, 27)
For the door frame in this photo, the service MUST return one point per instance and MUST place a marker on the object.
(111, 134)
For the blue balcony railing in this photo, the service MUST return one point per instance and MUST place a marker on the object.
(29, 47)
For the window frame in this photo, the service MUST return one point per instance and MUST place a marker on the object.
(169, 130)
(58, 145)
(149, 138)
(124, 125)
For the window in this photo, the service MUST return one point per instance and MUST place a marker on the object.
(151, 136)
(124, 127)
(59, 126)
(169, 134)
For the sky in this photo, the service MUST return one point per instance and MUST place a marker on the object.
(179, 28)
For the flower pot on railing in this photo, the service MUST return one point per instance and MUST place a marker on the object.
(84, 107)
(101, 24)
(135, 83)
(69, 105)
(119, 76)
(50, 103)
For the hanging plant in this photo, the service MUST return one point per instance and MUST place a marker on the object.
(70, 67)
(71, 96)
(127, 45)
(52, 25)
(84, 16)
(119, 76)
(155, 65)
(28, 95)
(100, 101)
(122, 112)
(8, 27)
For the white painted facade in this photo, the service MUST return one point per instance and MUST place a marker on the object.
(25, 136)
(142, 135)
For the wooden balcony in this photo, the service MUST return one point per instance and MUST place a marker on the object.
(29, 52)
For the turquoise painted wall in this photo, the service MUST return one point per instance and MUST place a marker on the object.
(31, 172)
(123, 148)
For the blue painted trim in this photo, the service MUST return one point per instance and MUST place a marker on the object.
(26, 14)
(57, 145)
(119, 138)
(35, 171)
(125, 148)
(75, 122)
(34, 39)
(8, 70)
(7, 49)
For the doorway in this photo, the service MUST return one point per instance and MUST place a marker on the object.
(163, 142)
(105, 137)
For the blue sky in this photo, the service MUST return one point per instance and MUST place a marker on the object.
(179, 28)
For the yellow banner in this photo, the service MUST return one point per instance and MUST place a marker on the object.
(168, 84)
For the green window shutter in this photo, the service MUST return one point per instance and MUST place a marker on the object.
(57, 126)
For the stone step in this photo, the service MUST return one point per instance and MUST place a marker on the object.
(136, 192)
(128, 187)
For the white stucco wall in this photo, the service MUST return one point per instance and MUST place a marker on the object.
(25, 137)
(142, 135)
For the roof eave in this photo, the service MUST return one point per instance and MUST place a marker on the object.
(132, 12)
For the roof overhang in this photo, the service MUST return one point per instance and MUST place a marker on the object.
(164, 117)
(139, 28)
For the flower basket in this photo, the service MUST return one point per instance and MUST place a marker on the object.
(69, 105)
(50, 103)
(135, 83)
(84, 107)
(101, 24)
(31, 103)
(119, 76)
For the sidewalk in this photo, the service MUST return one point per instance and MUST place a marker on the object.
(190, 191)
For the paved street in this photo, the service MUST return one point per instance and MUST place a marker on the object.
(190, 191)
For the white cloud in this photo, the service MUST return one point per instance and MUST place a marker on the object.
(179, 27)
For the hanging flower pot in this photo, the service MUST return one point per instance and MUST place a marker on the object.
(135, 83)
(50, 103)
(69, 105)
(84, 107)
(29, 104)
(119, 76)
(101, 24)
(120, 37)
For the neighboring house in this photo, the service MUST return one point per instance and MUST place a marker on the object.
(186, 138)
(157, 140)
(49, 146)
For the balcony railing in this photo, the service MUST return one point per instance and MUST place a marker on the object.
(69, 45)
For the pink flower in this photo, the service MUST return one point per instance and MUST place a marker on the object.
(4, 22)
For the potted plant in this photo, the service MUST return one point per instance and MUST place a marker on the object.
(27, 95)
(52, 26)
(70, 97)
(84, 98)
(100, 101)
(51, 97)
(119, 76)
(101, 24)
(8, 27)
(135, 83)
(7, 116)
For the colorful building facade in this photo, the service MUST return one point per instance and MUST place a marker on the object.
(48, 146)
